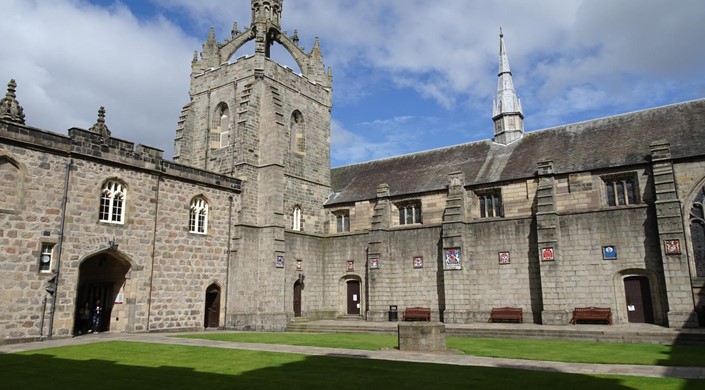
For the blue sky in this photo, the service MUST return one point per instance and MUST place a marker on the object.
(408, 75)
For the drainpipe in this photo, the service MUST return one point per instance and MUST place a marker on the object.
(227, 268)
(154, 250)
(60, 247)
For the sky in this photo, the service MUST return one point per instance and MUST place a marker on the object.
(408, 75)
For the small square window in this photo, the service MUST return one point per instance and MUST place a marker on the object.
(46, 258)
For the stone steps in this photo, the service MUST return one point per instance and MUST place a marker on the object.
(570, 333)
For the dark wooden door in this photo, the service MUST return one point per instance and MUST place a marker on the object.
(354, 297)
(212, 319)
(638, 294)
(297, 299)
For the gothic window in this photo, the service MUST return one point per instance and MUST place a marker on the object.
(491, 204)
(342, 221)
(112, 202)
(620, 191)
(220, 127)
(298, 140)
(697, 232)
(296, 218)
(409, 213)
(46, 258)
(198, 216)
(10, 177)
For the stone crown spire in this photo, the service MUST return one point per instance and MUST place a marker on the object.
(10, 108)
(100, 127)
(506, 109)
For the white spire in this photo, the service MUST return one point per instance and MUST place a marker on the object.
(506, 108)
(507, 101)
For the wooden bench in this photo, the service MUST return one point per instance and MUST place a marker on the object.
(592, 314)
(506, 314)
(417, 313)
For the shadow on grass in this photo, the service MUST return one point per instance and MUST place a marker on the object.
(47, 370)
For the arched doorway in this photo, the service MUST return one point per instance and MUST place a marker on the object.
(638, 295)
(297, 298)
(101, 277)
(212, 310)
(353, 297)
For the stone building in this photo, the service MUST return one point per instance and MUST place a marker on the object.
(248, 227)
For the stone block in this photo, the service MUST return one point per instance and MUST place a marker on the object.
(422, 336)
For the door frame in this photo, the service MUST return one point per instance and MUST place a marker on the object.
(297, 302)
(647, 314)
(208, 315)
(620, 298)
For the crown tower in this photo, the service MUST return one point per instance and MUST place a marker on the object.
(260, 121)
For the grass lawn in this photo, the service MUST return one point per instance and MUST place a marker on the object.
(131, 366)
(553, 350)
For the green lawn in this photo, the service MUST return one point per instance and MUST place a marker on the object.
(132, 366)
(553, 350)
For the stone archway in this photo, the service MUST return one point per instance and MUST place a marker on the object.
(101, 277)
(651, 296)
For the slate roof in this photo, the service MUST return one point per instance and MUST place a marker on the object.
(601, 143)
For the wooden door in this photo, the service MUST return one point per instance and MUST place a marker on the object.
(297, 299)
(212, 315)
(354, 297)
(638, 294)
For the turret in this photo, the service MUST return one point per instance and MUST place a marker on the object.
(506, 114)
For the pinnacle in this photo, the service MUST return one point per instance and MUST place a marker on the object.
(10, 108)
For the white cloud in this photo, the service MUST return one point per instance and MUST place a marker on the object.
(568, 57)
(70, 57)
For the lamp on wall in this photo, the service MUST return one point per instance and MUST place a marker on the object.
(112, 245)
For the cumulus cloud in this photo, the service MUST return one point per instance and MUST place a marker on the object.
(571, 59)
(70, 57)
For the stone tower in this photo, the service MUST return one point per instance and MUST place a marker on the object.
(506, 114)
(259, 121)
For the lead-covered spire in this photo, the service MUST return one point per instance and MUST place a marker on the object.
(506, 111)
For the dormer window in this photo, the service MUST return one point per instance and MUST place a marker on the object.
(620, 190)
(342, 221)
(409, 213)
(490, 204)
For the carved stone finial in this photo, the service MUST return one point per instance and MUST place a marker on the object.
(295, 37)
(100, 127)
(235, 31)
(10, 108)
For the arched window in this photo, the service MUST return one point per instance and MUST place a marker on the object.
(296, 218)
(198, 216)
(220, 127)
(298, 140)
(11, 177)
(112, 202)
(697, 231)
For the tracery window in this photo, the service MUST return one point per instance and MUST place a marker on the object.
(296, 218)
(198, 216)
(491, 204)
(697, 232)
(112, 202)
